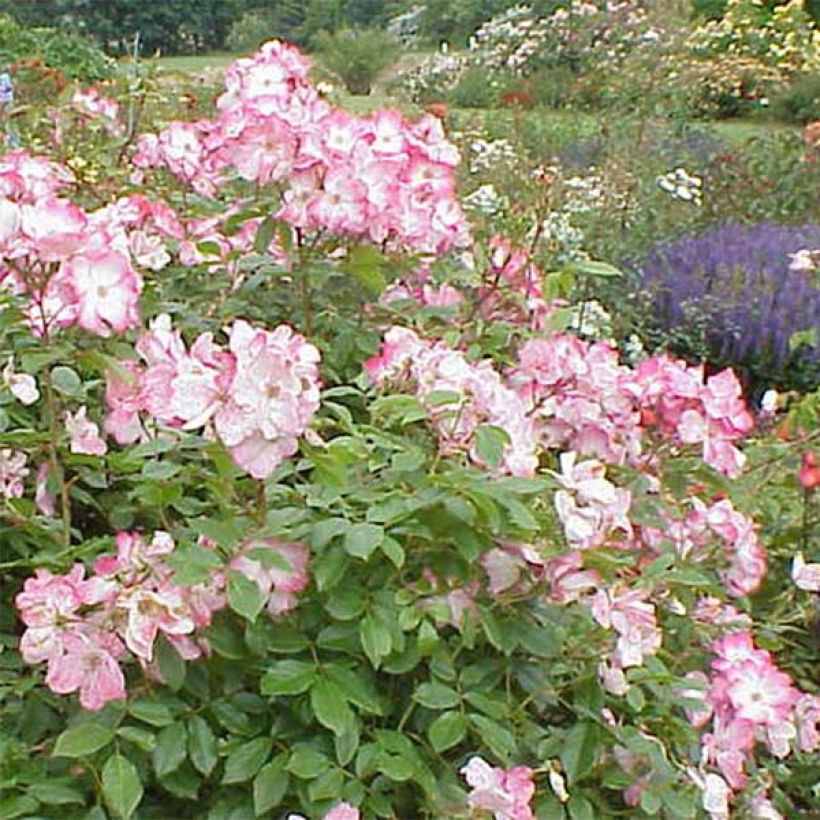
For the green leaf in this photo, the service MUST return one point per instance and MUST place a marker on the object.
(489, 443)
(247, 760)
(327, 786)
(244, 596)
(578, 752)
(83, 740)
(264, 235)
(325, 531)
(171, 749)
(17, 805)
(288, 677)
(201, 745)
(447, 730)
(306, 763)
(270, 786)
(151, 712)
(346, 603)
(193, 564)
(361, 540)
(436, 696)
(121, 786)
(142, 738)
(580, 808)
(66, 381)
(159, 470)
(393, 550)
(330, 706)
(356, 687)
(171, 665)
(225, 533)
(54, 793)
(590, 267)
(365, 263)
(376, 639)
(499, 740)
(183, 783)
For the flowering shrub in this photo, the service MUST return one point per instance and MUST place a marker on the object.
(310, 505)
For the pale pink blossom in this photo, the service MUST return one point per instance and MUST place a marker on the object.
(22, 386)
(805, 576)
(279, 570)
(104, 291)
(43, 498)
(89, 665)
(13, 472)
(505, 792)
(84, 433)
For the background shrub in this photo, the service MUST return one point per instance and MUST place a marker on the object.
(69, 54)
(801, 102)
(729, 296)
(357, 56)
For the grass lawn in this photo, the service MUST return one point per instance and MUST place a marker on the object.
(194, 63)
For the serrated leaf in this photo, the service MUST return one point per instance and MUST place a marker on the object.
(288, 677)
(324, 531)
(141, 738)
(307, 763)
(498, 739)
(171, 749)
(361, 540)
(355, 687)
(447, 730)
(201, 745)
(375, 638)
(436, 696)
(54, 793)
(579, 750)
(151, 712)
(580, 808)
(121, 786)
(170, 663)
(591, 267)
(244, 596)
(247, 760)
(489, 443)
(67, 381)
(83, 740)
(330, 706)
(393, 550)
(270, 786)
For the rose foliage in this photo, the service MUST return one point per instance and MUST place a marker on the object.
(309, 504)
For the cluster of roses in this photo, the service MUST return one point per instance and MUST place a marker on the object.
(257, 397)
(83, 627)
(73, 267)
(585, 400)
(564, 393)
(748, 699)
(693, 534)
(379, 177)
(460, 397)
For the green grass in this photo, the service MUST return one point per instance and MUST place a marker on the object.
(195, 63)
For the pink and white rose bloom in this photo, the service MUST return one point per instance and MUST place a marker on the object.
(505, 792)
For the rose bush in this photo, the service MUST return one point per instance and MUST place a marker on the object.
(311, 504)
